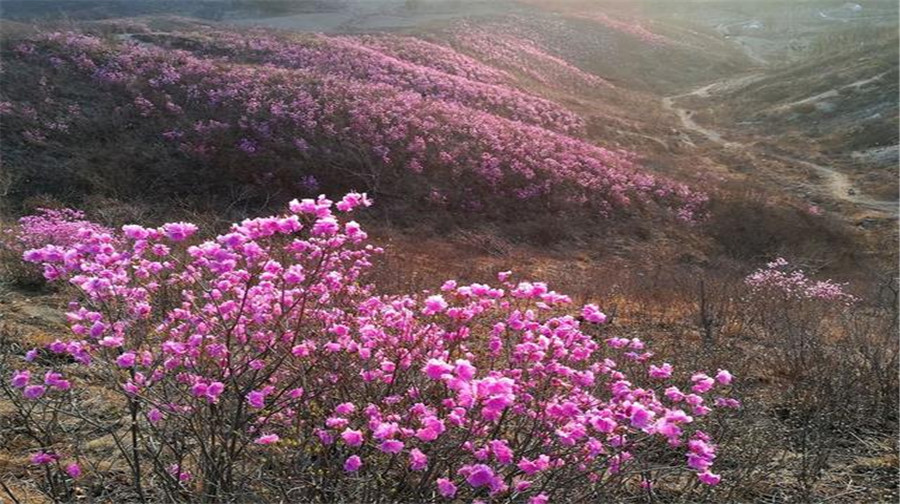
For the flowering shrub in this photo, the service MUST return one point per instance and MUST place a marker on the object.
(61, 227)
(359, 58)
(371, 124)
(262, 344)
(828, 354)
(434, 55)
(778, 278)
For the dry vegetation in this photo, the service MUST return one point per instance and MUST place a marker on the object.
(818, 378)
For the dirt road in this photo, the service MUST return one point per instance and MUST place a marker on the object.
(840, 186)
(835, 184)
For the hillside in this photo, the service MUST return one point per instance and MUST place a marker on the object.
(448, 251)
(212, 100)
(840, 103)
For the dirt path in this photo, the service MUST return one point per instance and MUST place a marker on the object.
(832, 93)
(836, 185)
(841, 187)
(686, 116)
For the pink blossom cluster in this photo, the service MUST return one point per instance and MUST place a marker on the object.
(43, 458)
(468, 158)
(62, 227)
(778, 276)
(352, 58)
(472, 389)
(434, 55)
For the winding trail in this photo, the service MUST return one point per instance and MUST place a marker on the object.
(685, 115)
(837, 185)
(841, 188)
(832, 93)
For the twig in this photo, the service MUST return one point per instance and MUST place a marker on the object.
(9, 492)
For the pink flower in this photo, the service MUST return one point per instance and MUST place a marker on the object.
(702, 383)
(352, 201)
(33, 391)
(326, 227)
(592, 313)
(478, 475)
(176, 471)
(446, 488)
(435, 304)
(674, 395)
(154, 415)
(662, 372)
(112, 341)
(530, 467)
(353, 463)
(391, 446)
(126, 360)
(43, 458)
(267, 439)
(345, 408)
(352, 437)
(256, 399)
(20, 378)
(435, 368)
(214, 390)
(326, 437)
(199, 389)
(306, 206)
(668, 429)
(728, 402)
(97, 329)
(603, 424)
(57, 347)
(501, 451)
(135, 232)
(724, 377)
(698, 462)
(418, 461)
(384, 430)
(464, 369)
(641, 416)
(709, 478)
(540, 498)
(55, 380)
(433, 427)
(179, 231)
(73, 470)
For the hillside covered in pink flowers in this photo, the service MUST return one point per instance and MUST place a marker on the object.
(422, 122)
